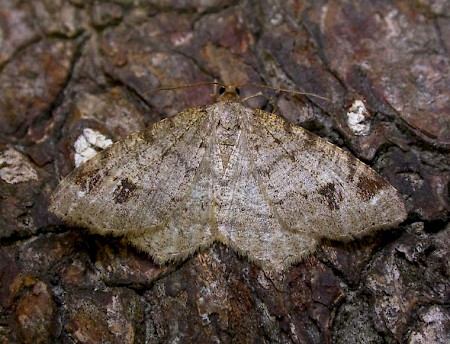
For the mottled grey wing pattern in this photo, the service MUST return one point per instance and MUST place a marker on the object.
(225, 172)
(316, 188)
(104, 196)
(191, 224)
(248, 221)
(290, 188)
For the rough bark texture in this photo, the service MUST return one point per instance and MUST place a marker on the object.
(70, 65)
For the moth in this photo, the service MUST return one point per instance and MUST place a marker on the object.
(246, 178)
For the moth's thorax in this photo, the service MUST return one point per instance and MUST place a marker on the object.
(229, 123)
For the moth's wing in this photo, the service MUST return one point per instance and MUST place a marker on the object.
(137, 183)
(192, 226)
(248, 222)
(316, 188)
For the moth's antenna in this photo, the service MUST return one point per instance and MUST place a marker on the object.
(198, 84)
(217, 83)
(283, 90)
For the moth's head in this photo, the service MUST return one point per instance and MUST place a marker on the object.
(227, 93)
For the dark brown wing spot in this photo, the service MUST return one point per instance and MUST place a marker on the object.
(332, 195)
(88, 180)
(124, 191)
(287, 127)
(368, 187)
(351, 171)
(147, 135)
